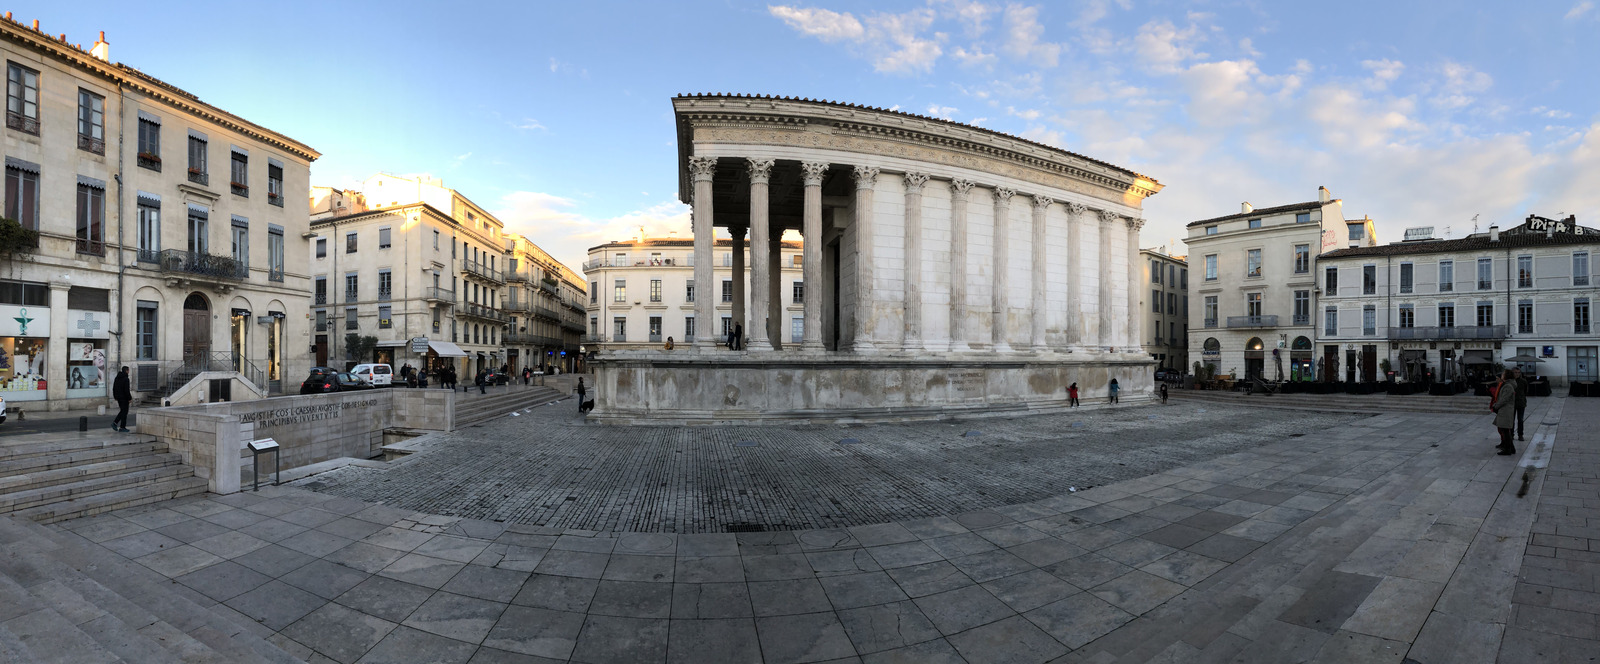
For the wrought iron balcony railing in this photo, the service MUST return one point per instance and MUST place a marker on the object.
(518, 277)
(91, 144)
(203, 265)
(91, 247)
(482, 271)
(199, 177)
(1302, 319)
(275, 274)
(1253, 321)
(437, 294)
(1448, 333)
(546, 312)
(22, 123)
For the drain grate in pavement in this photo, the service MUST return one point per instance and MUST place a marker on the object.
(745, 528)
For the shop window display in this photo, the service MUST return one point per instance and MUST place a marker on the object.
(22, 368)
(86, 368)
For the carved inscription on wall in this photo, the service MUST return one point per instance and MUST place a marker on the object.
(277, 417)
(968, 382)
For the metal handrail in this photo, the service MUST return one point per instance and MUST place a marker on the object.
(1473, 332)
(204, 265)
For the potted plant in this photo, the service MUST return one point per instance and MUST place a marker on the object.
(152, 157)
(194, 171)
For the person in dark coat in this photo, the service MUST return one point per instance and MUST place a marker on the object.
(581, 393)
(1504, 406)
(1115, 388)
(482, 381)
(1522, 399)
(122, 392)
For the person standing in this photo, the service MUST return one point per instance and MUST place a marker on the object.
(120, 390)
(1115, 388)
(482, 379)
(1522, 399)
(1163, 393)
(1504, 406)
(1072, 395)
(581, 393)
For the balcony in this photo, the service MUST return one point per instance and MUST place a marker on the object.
(518, 277)
(320, 299)
(1447, 333)
(550, 286)
(573, 326)
(686, 261)
(199, 177)
(149, 256)
(22, 123)
(1302, 319)
(275, 199)
(149, 160)
(239, 188)
(91, 247)
(1211, 322)
(546, 312)
(349, 296)
(593, 339)
(484, 272)
(385, 294)
(202, 265)
(437, 294)
(91, 144)
(275, 274)
(522, 307)
(1252, 321)
(481, 311)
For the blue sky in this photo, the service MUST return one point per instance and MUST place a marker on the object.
(557, 114)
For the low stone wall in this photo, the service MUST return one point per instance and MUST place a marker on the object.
(687, 388)
(309, 429)
(198, 389)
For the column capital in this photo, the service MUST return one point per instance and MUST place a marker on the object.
(737, 232)
(866, 176)
(760, 170)
(1135, 224)
(812, 171)
(1077, 209)
(915, 182)
(1042, 201)
(959, 188)
(1004, 194)
(703, 167)
(1107, 216)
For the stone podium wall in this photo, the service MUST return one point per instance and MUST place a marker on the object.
(662, 389)
(310, 429)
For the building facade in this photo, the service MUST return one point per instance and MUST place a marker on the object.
(166, 240)
(642, 293)
(1166, 317)
(545, 300)
(1255, 285)
(1455, 307)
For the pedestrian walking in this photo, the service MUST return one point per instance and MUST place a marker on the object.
(581, 393)
(121, 391)
(483, 381)
(1504, 406)
(1072, 395)
(422, 379)
(1163, 393)
(1115, 388)
(1522, 399)
(527, 375)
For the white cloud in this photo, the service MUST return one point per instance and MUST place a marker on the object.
(1384, 72)
(1459, 85)
(829, 26)
(459, 159)
(941, 112)
(894, 42)
(1578, 10)
(1024, 37)
(529, 124)
(1223, 92)
(1029, 114)
(1163, 47)
(974, 57)
(973, 16)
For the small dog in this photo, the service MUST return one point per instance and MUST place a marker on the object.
(586, 406)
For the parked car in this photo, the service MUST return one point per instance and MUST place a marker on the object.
(2, 410)
(1163, 375)
(376, 375)
(325, 379)
(497, 378)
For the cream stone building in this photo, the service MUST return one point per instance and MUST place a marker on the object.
(961, 270)
(545, 300)
(1166, 316)
(1255, 285)
(642, 293)
(166, 240)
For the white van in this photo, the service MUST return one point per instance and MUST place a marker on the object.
(376, 375)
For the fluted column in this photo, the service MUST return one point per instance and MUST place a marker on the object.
(774, 312)
(1135, 342)
(959, 190)
(736, 252)
(760, 259)
(1040, 317)
(913, 261)
(1001, 300)
(1105, 338)
(705, 332)
(866, 178)
(1075, 274)
(811, 259)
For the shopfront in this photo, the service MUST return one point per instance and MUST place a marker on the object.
(1254, 358)
(24, 348)
(87, 371)
(1301, 364)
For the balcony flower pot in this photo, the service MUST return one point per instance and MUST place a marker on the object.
(195, 171)
(151, 156)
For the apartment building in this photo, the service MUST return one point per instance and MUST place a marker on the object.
(545, 300)
(164, 241)
(1166, 321)
(1256, 284)
(1450, 307)
(643, 292)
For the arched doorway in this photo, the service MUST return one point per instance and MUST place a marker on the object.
(1211, 354)
(1254, 358)
(196, 329)
(1301, 365)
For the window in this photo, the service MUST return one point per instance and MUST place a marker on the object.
(1155, 301)
(1357, 232)
(91, 122)
(241, 240)
(1172, 304)
(594, 326)
(383, 237)
(274, 254)
(350, 242)
(385, 281)
(1408, 316)
(1211, 230)
(619, 291)
(1525, 317)
(1330, 321)
(1211, 311)
(352, 285)
(1211, 267)
(1369, 279)
(436, 314)
(1524, 272)
(322, 321)
(384, 322)
(321, 290)
(199, 232)
(1447, 315)
(22, 99)
(436, 239)
(1369, 320)
(22, 195)
(1580, 316)
(688, 329)
(1255, 223)
(688, 291)
(1183, 278)
(149, 142)
(322, 247)
(1171, 271)
(1302, 307)
(1406, 277)
(274, 183)
(799, 294)
(594, 292)
(24, 294)
(91, 219)
(797, 330)
(1485, 314)
(1485, 273)
(727, 325)
(239, 173)
(148, 216)
(1330, 281)
(1580, 268)
(1447, 276)
(1252, 263)
(727, 290)
(1302, 258)
(655, 329)
(1302, 217)
(655, 290)
(350, 319)
(619, 260)
(1155, 272)
(619, 329)
(1252, 305)
(197, 160)
(144, 331)
(1185, 310)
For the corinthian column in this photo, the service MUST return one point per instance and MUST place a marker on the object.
(705, 336)
(1135, 343)
(866, 179)
(913, 261)
(959, 189)
(774, 313)
(1075, 274)
(813, 172)
(1002, 247)
(736, 253)
(760, 258)
(1106, 337)
(1041, 206)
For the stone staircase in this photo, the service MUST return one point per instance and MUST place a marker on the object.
(64, 599)
(473, 408)
(1357, 403)
(50, 477)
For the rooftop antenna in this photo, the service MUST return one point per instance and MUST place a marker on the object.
(1474, 224)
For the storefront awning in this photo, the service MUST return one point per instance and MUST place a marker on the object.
(446, 349)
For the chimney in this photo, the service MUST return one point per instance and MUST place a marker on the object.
(102, 49)
(1323, 195)
(1494, 233)
(1246, 208)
